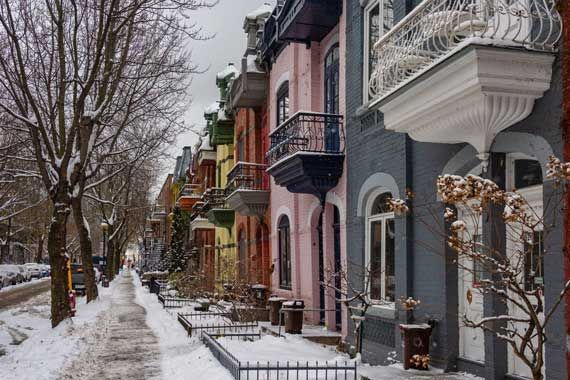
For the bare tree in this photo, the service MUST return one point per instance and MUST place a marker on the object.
(75, 76)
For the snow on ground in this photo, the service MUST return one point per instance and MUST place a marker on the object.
(180, 355)
(292, 348)
(21, 285)
(397, 372)
(43, 351)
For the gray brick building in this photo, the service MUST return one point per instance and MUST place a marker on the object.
(384, 161)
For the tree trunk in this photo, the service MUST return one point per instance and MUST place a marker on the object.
(86, 250)
(57, 241)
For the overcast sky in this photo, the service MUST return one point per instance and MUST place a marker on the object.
(225, 21)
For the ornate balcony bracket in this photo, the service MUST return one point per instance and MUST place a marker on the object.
(470, 98)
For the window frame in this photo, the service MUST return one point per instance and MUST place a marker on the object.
(285, 271)
(366, 47)
(370, 219)
(282, 93)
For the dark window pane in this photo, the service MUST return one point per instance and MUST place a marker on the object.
(376, 260)
(527, 173)
(380, 205)
(284, 253)
(390, 255)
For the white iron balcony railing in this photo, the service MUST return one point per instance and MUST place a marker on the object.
(436, 29)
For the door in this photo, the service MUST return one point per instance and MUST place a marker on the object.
(528, 252)
(470, 273)
(332, 132)
(337, 268)
(321, 271)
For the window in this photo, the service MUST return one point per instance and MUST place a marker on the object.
(380, 260)
(283, 103)
(527, 173)
(377, 21)
(332, 135)
(242, 249)
(284, 233)
(534, 261)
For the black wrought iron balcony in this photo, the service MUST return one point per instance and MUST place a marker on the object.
(307, 152)
(217, 210)
(248, 189)
(308, 20)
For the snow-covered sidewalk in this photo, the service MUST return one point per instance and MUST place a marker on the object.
(123, 346)
(33, 349)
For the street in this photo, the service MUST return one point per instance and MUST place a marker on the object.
(14, 296)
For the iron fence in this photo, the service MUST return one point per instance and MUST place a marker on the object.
(157, 287)
(220, 327)
(214, 198)
(258, 370)
(308, 132)
(170, 302)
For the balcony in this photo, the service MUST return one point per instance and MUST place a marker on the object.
(222, 129)
(217, 210)
(248, 189)
(307, 153)
(463, 71)
(198, 219)
(189, 196)
(249, 90)
(308, 20)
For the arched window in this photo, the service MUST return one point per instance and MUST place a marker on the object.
(332, 136)
(283, 103)
(284, 232)
(380, 252)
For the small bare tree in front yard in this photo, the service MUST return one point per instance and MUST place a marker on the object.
(513, 274)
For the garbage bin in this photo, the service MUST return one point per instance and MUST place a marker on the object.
(415, 341)
(275, 304)
(293, 311)
(260, 295)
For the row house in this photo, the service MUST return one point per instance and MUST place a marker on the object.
(247, 186)
(450, 87)
(304, 50)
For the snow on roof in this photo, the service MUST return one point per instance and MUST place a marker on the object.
(230, 70)
(252, 65)
(222, 115)
(212, 108)
(262, 12)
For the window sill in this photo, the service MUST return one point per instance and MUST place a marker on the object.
(383, 311)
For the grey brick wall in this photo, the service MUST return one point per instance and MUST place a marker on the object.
(422, 268)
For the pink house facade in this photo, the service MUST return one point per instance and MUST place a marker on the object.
(306, 104)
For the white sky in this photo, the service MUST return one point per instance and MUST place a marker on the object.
(225, 21)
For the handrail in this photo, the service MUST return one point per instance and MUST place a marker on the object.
(436, 29)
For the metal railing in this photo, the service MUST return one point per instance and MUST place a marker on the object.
(215, 198)
(197, 211)
(248, 176)
(191, 189)
(436, 29)
(307, 132)
(219, 327)
(170, 302)
(278, 369)
(157, 287)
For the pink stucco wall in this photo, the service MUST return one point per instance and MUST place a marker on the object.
(304, 69)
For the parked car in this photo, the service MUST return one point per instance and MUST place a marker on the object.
(33, 269)
(11, 274)
(26, 275)
(44, 270)
(77, 278)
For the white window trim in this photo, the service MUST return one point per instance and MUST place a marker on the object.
(369, 220)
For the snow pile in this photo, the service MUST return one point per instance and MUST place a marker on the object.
(397, 371)
(212, 108)
(272, 349)
(46, 350)
(263, 12)
(24, 284)
(229, 72)
(180, 354)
